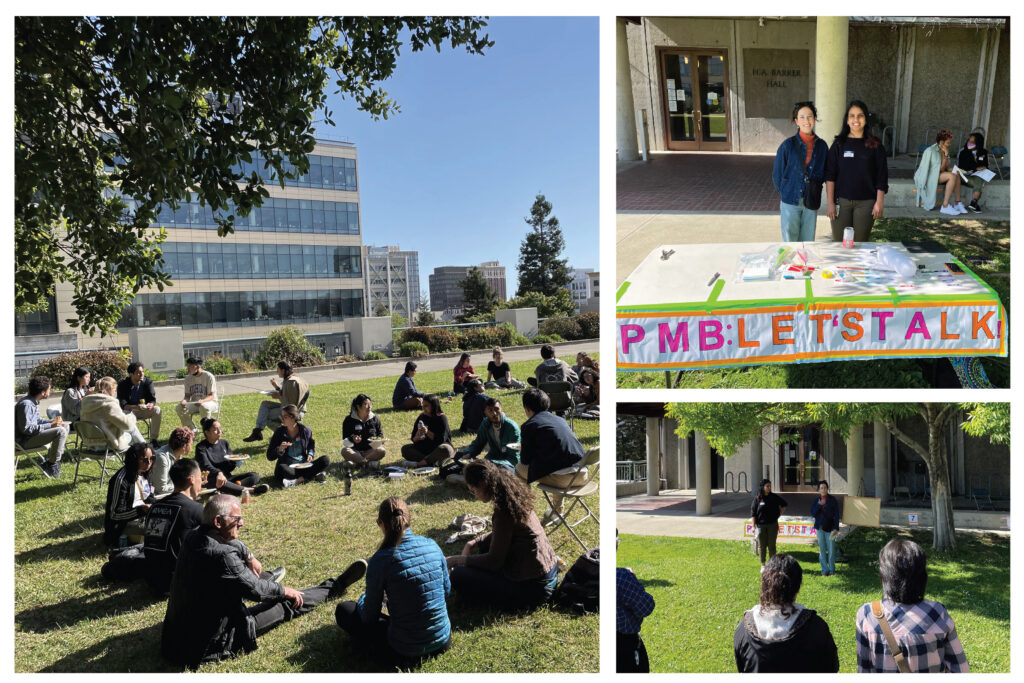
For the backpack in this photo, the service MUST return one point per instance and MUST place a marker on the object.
(580, 589)
(454, 467)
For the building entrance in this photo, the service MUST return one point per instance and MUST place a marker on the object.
(694, 91)
(801, 458)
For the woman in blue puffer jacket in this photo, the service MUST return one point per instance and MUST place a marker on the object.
(410, 573)
(801, 155)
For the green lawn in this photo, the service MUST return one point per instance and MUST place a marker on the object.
(983, 245)
(702, 587)
(67, 618)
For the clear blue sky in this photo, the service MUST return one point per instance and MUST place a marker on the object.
(453, 175)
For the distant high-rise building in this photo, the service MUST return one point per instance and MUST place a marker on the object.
(580, 286)
(445, 288)
(393, 280)
(494, 276)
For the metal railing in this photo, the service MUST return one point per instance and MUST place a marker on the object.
(630, 470)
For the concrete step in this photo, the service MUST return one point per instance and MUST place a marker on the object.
(902, 193)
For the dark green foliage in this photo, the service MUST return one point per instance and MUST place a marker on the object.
(434, 338)
(546, 339)
(347, 358)
(479, 299)
(413, 349)
(156, 108)
(559, 304)
(877, 373)
(486, 337)
(630, 437)
(566, 328)
(590, 325)
(100, 363)
(540, 269)
(374, 355)
(289, 344)
(424, 317)
(220, 366)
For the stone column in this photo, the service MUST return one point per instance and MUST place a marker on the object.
(756, 461)
(703, 456)
(830, 61)
(881, 443)
(625, 112)
(854, 459)
(653, 444)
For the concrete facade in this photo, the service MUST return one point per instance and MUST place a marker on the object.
(393, 280)
(494, 275)
(580, 286)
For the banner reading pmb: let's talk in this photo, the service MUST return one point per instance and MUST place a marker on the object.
(676, 340)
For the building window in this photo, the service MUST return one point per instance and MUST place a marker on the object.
(229, 260)
(275, 215)
(40, 322)
(329, 173)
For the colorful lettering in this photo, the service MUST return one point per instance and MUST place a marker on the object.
(710, 329)
(778, 329)
(881, 317)
(944, 335)
(982, 323)
(917, 326)
(851, 321)
(627, 339)
(743, 341)
(666, 336)
(820, 318)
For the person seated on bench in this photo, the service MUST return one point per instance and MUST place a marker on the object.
(405, 396)
(212, 455)
(551, 369)
(513, 566)
(103, 410)
(499, 374)
(974, 157)
(431, 437)
(496, 433)
(292, 444)
(936, 170)
(409, 572)
(207, 619)
(71, 401)
(548, 445)
(137, 396)
(129, 496)
(32, 431)
(293, 388)
(358, 430)
(474, 401)
(179, 444)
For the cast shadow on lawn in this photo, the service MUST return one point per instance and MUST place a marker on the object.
(138, 650)
(328, 648)
(48, 490)
(440, 492)
(76, 549)
(105, 602)
(656, 582)
(93, 525)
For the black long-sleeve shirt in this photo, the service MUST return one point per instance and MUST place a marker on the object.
(857, 170)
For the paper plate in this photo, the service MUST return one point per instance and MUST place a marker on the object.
(423, 471)
(302, 465)
(236, 457)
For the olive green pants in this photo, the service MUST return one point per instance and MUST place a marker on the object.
(855, 213)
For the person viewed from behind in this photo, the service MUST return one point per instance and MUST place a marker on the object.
(179, 444)
(213, 454)
(431, 436)
(207, 619)
(474, 401)
(103, 410)
(936, 168)
(496, 433)
(32, 431)
(922, 629)
(974, 157)
(129, 496)
(632, 605)
(71, 401)
(551, 369)
(291, 391)
(549, 449)
(798, 174)
(358, 430)
(137, 396)
(405, 396)
(499, 374)
(463, 374)
(293, 447)
(169, 520)
(513, 566)
(856, 176)
(200, 394)
(779, 635)
(825, 510)
(409, 575)
(766, 508)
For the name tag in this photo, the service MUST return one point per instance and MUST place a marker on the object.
(848, 154)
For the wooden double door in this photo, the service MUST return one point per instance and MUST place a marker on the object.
(694, 97)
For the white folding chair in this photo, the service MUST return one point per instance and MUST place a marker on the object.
(584, 483)
(93, 444)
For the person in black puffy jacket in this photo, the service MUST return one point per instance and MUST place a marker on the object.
(779, 635)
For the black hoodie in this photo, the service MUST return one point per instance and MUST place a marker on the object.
(807, 648)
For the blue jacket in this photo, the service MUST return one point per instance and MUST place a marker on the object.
(827, 513)
(404, 388)
(548, 445)
(27, 422)
(788, 173)
(415, 577)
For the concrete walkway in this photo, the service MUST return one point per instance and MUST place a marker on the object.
(244, 384)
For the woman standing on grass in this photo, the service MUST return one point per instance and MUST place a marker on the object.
(431, 437)
(856, 175)
(407, 572)
(212, 455)
(797, 175)
(514, 566)
(923, 630)
(779, 635)
(765, 509)
(292, 444)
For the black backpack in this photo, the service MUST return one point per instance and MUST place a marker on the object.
(580, 589)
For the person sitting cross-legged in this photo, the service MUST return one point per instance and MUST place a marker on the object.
(358, 430)
(551, 369)
(408, 574)
(212, 454)
(290, 392)
(32, 431)
(207, 619)
(405, 396)
(474, 402)
(495, 433)
(431, 437)
(499, 374)
(291, 445)
(513, 566)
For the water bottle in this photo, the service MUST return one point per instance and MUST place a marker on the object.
(348, 480)
(848, 237)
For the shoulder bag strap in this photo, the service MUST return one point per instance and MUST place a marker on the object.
(897, 654)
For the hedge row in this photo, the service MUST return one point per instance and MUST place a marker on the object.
(440, 340)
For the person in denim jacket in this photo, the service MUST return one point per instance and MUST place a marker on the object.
(799, 156)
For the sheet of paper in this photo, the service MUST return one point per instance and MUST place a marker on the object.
(985, 175)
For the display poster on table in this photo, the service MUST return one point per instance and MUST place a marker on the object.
(801, 528)
(807, 333)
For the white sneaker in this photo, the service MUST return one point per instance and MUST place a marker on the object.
(949, 211)
(762, 569)
(288, 483)
(960, 207)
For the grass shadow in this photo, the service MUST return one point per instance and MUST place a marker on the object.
(76, 549)
(76, 527)
(117, 653)
(49, 489)
(656, 582)
(442, 492)
(328, 648)
(98, 605)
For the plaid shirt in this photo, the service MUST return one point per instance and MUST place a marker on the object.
(632, 602)
(924, 631)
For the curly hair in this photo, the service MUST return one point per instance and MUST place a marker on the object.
(780, 583)
(393, 513)
(944, 134)
(510, 494)
(179, 438)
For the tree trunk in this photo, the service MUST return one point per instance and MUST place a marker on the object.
(944, 537)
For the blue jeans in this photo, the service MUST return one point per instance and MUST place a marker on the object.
(826, 551)
(797, 222)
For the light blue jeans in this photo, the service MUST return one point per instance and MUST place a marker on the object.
(797, 222)
(826, 551)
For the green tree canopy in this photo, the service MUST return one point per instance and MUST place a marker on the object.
(558, 305)
(540, 269)
(424, 316)
(115, 116)
(478, 297)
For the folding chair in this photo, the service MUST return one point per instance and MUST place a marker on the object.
(20, 451)
(560, 394)
(94, 442)
(274, 423)
(982, 498)
(998, 153)
(583, 484)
